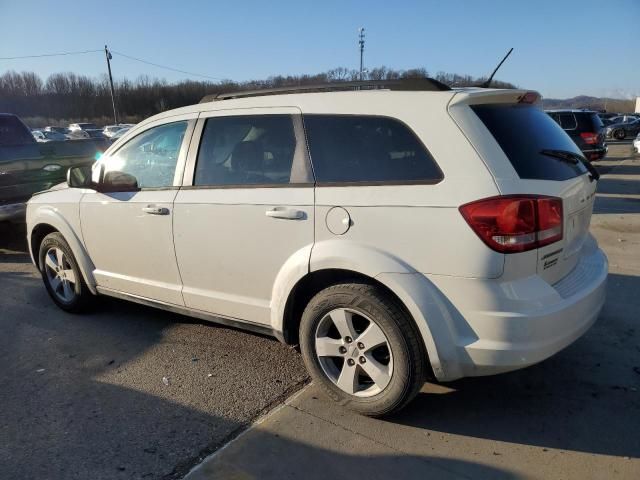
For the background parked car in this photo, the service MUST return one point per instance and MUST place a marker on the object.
(120, 133)
(73, 127)
(46, 136)
(622, 126)
(27, 166)
(606, 117)
(85, 130)
(586, 130)
(111, 130)
(62, 130)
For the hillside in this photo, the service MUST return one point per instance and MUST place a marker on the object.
(595, 103)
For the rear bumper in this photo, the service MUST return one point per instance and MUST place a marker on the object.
(529, 319)
(474, 327)
(596, 153)
(13, 212)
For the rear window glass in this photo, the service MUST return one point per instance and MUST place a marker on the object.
(589, 122)
(367, 149)
(13, 132)
(568, 121)
(522, 131)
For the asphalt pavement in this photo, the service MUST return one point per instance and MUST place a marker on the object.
(83, 396)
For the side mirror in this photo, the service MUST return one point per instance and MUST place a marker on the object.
(80, 177)
(115, 181)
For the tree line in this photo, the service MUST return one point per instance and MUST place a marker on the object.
(68, 97)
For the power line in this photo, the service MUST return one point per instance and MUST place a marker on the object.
(117, 53)
(164, 66)
(50, 55)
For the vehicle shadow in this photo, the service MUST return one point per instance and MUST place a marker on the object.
(583, 399)
(264, 455)
(616, 205)
(13, 238)
(87, 393)
(72, 391)
(618, 186)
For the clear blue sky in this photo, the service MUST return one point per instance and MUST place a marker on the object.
(562, 47)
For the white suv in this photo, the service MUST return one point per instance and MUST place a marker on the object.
(394, 233)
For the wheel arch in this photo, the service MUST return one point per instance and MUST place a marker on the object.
(48, 221)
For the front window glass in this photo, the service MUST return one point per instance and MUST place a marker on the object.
(151, 157)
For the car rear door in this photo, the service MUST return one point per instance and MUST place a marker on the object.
(245, 209)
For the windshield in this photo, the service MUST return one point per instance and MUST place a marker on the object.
(523, 132)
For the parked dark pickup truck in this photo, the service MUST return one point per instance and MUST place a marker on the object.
(27, 166)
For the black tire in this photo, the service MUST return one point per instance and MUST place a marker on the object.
(620, 134)
(409, 358)
(82, 296)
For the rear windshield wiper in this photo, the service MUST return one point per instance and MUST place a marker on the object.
(574, 159)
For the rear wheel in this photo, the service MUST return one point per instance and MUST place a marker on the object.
(362, 348)
(61, 275)
(620, 134)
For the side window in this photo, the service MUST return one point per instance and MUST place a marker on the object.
(354, 148)
(150, 157)
(568, 121)
(248, 150)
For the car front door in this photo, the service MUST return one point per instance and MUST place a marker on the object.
(245, 208)
(128, 224)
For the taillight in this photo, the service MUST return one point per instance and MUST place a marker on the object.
(589, 138)
(515, 223)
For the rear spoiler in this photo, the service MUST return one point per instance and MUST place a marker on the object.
(475, 96)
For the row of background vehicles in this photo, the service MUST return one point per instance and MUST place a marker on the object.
(590, 129)
(28, 166)
(79, 131)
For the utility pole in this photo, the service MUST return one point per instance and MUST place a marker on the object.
(361, 43)
(107, 54)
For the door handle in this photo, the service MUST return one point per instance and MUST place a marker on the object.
(151, 210)
(285, 213)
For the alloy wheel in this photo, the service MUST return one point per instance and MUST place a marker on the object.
(60, 275)
(354, 352)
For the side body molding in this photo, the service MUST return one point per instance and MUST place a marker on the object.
(44, 214)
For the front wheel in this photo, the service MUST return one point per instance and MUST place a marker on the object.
(61, 274)
(620, 134)
(362, 348)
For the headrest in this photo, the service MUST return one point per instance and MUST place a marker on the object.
(247, 157)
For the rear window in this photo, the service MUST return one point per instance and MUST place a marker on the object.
(589, 122)
(522, 131)
(13, 132)
(568, 121)
(367, 149)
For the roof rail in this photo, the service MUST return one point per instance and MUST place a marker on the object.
(413, 84)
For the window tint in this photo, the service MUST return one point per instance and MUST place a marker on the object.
(522, 131)
(246, 150)
(589, 122)
(367, 149)
(568, 121)
(14, 132)
(151, 156)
